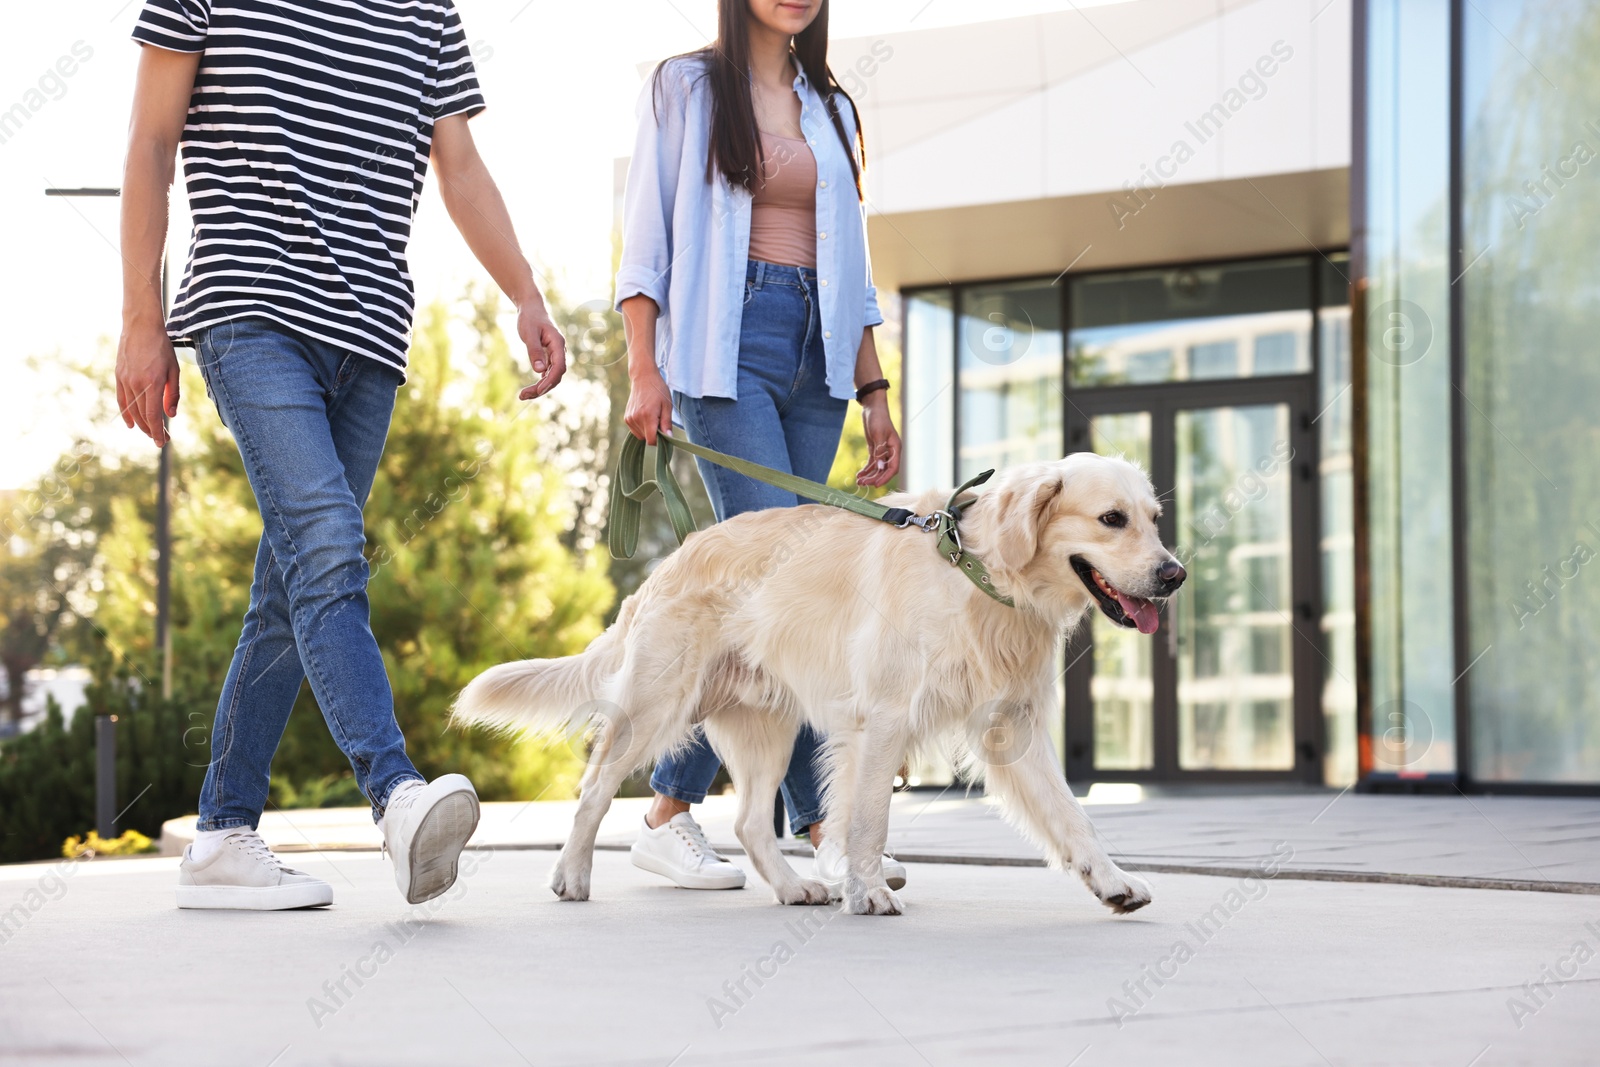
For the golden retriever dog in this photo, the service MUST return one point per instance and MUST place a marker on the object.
(813, 614)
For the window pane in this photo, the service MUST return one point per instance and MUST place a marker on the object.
(1232, 628)
(929, 431)
(1010, 352)
(1236, 321)
(1532, 382)
(1408, 397)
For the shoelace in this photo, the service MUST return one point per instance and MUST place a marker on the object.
(696, 840)
(252, 843)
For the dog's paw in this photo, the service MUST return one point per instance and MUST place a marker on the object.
(1121, 891)
(861, 899)
(569, 885)
(804, 891)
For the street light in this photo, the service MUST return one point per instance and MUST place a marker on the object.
(105, 725)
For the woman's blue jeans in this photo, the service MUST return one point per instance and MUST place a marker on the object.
(783, 418)
(310, 421)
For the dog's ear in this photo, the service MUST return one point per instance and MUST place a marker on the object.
(1021, 514)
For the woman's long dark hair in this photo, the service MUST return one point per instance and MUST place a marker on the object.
(735, 139)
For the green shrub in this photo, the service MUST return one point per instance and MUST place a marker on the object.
(47, 776)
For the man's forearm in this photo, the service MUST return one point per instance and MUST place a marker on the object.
(146, 178)
(479, 212)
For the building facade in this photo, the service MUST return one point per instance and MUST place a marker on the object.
(1139, 228)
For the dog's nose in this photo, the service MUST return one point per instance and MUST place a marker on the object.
(1171, 574)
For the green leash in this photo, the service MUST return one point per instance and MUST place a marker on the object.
(630, 489)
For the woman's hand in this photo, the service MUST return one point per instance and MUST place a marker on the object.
(649, 406)
(883, 442)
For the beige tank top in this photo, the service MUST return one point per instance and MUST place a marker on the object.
(783, 212)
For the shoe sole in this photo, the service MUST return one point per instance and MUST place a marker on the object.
(254, 898)
(437, 844)
(646, 862)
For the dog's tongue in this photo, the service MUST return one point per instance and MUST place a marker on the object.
(1142, 612)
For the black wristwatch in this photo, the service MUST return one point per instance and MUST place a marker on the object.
(870, 388)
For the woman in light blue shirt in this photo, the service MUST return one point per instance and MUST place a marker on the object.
(749, 307)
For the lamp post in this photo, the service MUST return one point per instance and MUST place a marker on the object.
(105, 725)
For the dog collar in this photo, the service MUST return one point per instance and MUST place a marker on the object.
(946, 527)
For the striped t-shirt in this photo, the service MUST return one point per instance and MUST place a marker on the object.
(304, 155)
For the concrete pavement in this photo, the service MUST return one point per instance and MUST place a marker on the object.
(993, 962)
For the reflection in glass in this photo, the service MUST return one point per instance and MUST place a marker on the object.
(1010, 389)
(1237, 321)
(1231, 623)
(1122, 688)
(1531, 109)
(929, 429)
(1409, 397)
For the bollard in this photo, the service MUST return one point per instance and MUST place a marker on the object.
(105, 776)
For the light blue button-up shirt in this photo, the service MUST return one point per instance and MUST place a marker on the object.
(685, 241)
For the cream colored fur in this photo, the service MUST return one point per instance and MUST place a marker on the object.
(815, 614)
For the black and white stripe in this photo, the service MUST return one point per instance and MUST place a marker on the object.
(304, 155)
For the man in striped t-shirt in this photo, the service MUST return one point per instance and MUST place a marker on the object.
(306, 128)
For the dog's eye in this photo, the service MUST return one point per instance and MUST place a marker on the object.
(1114, 519)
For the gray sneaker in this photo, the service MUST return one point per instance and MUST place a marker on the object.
(425, 827)
(244, 874)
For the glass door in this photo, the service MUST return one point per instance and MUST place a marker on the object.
(1221, 690)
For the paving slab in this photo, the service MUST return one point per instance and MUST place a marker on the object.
(1548, 843)
(989, 965)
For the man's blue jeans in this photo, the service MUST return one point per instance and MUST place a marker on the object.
(783, 418)
(310, 421)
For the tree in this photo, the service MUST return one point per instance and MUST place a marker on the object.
(49, 536)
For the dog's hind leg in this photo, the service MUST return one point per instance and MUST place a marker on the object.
(1024, 775)
(613, 759)
(879, 749)
(756, 745)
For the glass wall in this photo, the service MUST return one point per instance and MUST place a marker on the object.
(1411, 730)
(986, 365)
(1531, 386)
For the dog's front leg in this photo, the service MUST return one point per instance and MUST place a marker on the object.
(1024, 775)
(880, 749)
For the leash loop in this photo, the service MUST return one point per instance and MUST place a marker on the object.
(630, 489)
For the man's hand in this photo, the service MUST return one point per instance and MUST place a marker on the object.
(147, 379)
(883, 442)
(547, 349)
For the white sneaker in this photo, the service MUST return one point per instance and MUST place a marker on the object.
(425, 827)
(677, 850)
(244, 874)
(831, 866)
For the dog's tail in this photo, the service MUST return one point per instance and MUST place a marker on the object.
(543, 696)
